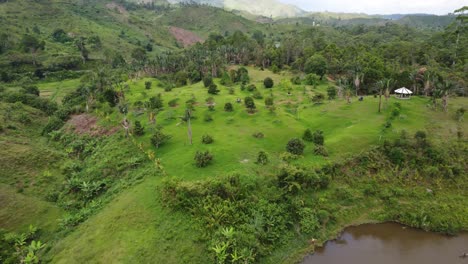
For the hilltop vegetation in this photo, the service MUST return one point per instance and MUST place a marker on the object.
(240, 143)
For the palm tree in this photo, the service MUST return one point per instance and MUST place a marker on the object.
(389, 84)
(357, 81)
(443, 90)
(380, 87)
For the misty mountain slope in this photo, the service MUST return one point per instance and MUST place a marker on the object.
(268, 8)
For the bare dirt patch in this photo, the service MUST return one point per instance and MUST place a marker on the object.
(184, 37)
(87, 124)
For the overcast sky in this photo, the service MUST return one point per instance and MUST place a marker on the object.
(381, 6)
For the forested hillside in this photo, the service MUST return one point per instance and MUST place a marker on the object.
(156, 133)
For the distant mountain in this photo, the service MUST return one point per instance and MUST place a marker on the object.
(268, 8)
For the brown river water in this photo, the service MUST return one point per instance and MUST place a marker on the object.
(391, 243)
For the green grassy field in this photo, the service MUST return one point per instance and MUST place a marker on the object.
(136, 227)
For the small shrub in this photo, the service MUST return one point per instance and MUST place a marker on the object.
(296, 80)
(207, 81)
(24, 119)
(318, 138)
(331, 92)
(213, 89)
(208, 117)
(309, 222)
(138, 130)
(269, 101)
(173, 102)
(207, 139)
(262, 158)
(54, 123)
(320, 150)
(295, 146)
(159, 138)
(258, 135)
(257, 95)
(203, 159)
(318, 98)
(308, 135)
(251, 88)
(249, 104)
(228, 107)
(268, 82)
(148, 85)
(459, 114)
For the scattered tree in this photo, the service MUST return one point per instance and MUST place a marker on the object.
(203, 159)
(268, 82)
(138, 130)
(250, 104)
(295, 146)
(228, 107)
(262, 158)
(213, 89)
(159, 138)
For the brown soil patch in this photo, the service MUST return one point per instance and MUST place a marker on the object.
(87, 124)
(184, 37)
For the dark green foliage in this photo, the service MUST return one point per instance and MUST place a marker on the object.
(155, 102)
(318, 138)
(316, 64)
(331, 92)
(139, 55)
(54, 123)
(31, 89)
(296, 80)
(459, 114)
(309, 222)
(262, 158)
(307, 136)
(269, 101)
(138, 129)
(111, 97)
(295, 146)
(31, 44)
(312, 79)
(195, 76)
(213, 89)
(148, 85)
(228, 107)
(181, 78)
(207, 81)
(320, 150)
(173, 102)
(249, 104)
(203, 159)
(59, 35)
(225, 79)
(257, 95)
(251, 88)
(43, 104)
(318, 98)
(207, 139)
(159, 138)
(268, 82)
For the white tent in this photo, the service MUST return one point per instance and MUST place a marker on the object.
(403, 93)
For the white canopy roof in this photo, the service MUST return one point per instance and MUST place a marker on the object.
(403, 90)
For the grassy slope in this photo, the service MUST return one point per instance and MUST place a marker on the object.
(135, 227)
(29, 170)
